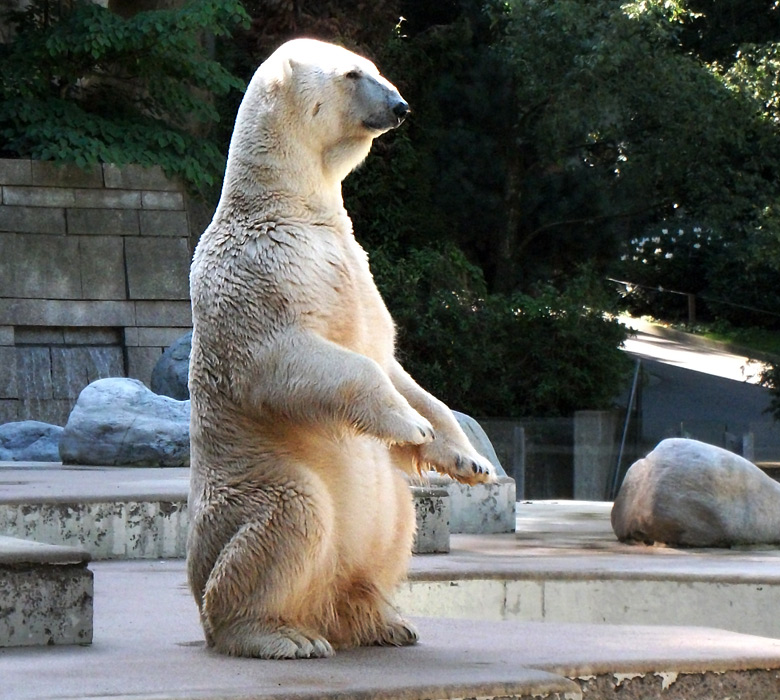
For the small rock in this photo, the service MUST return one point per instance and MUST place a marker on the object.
(119, 422)
(692, 494)
(482, 508)
(169, 376)
(30, 441)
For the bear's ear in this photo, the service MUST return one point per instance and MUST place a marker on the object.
(289, 66)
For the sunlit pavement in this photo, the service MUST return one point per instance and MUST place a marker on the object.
(689, 352)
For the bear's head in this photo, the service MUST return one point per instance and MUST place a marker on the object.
(317, 103)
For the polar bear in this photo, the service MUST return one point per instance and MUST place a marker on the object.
(303, 424)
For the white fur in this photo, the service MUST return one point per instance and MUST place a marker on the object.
(302, 419)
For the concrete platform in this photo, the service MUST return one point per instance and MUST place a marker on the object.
(558, 610)
(148, 644)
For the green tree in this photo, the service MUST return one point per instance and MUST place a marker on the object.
(87, 86)
(489, 354)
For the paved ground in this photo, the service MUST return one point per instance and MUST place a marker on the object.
(148, 642)
(148, 645)
(690, 352)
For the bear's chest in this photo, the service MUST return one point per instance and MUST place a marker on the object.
(345, 305)
(315, 277)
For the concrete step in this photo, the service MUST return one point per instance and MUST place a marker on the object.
(564, 564)
(148, 644)
(141, 513)
(45, 594)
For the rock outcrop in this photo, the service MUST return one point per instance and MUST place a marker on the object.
(169, 376)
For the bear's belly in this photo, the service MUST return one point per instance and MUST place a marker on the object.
(369, 499)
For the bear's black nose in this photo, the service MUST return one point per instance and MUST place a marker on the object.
(401, 109)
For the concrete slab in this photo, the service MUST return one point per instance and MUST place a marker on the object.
(565, 564)
(45, 594)
(148, 644)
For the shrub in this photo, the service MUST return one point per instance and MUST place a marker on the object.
(87, 86)
(546, 354)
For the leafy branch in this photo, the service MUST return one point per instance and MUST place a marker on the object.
(88, 86)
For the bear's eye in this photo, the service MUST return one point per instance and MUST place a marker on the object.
(352, 75)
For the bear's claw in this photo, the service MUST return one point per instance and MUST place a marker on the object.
(446, 459)
(282, 643)
(398, 633)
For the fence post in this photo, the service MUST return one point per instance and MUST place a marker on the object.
(595, 435)
(691, 309)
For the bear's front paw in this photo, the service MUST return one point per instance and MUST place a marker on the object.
(405, 426)
(466, 466)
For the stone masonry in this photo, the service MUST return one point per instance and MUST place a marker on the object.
(94, 268)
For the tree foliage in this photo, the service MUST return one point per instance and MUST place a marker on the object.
(87, 86)
(543, 354)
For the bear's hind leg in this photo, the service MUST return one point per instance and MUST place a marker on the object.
(364, 617)
(263, 596)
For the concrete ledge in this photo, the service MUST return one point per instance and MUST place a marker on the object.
(432, 508)
(148, 643)
(565, 565)
(16, 552)
(46, 594)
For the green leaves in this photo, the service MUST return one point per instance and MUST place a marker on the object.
(546, 354)
(90, 86)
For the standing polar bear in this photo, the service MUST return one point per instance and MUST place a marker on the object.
(303, 423)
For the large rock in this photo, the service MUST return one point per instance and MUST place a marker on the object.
(170, 374)
(689, 493)
(119, 422)
(30, 441)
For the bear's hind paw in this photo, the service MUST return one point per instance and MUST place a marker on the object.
(281, 643)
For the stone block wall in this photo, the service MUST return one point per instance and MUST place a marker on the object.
(94, 269)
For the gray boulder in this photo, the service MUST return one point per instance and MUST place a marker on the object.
(689, 493)
(30, 441)
(169, 376)
(119, 422)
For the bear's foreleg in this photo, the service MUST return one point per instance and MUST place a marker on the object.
(306, 377)
(266, 594)
(450, 452)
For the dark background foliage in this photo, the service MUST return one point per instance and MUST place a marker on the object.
(640, 138)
